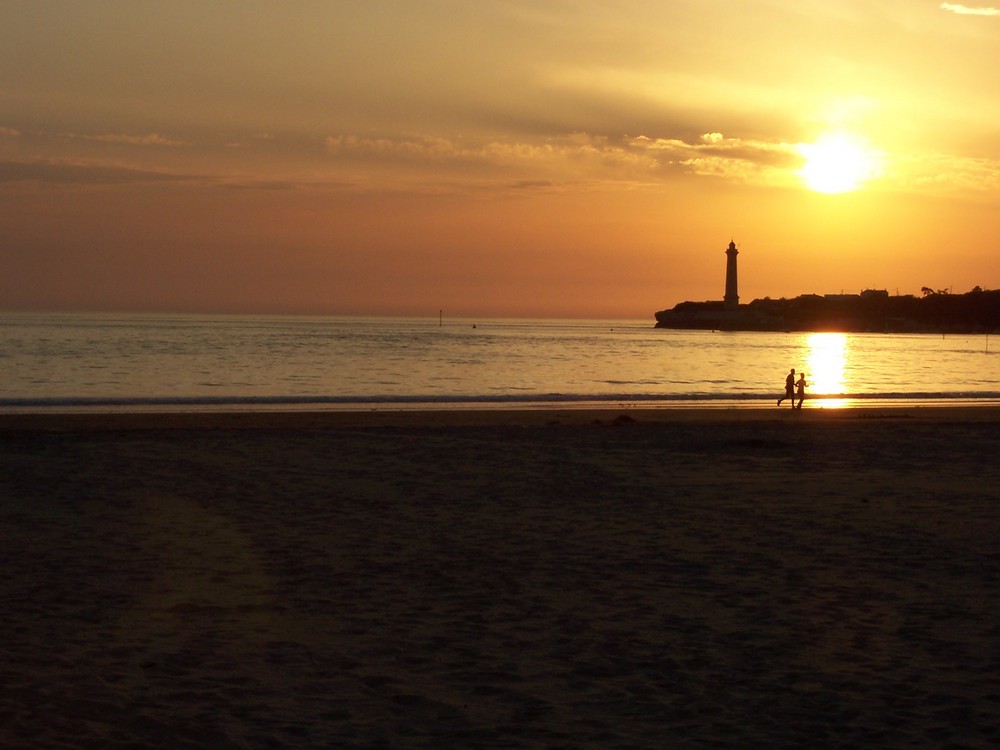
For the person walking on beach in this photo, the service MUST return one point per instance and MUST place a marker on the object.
(789, 388)
(800, 390)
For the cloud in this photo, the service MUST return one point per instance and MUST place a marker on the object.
(589, 161)
(254, 138)
(937, 172)
(280, 185)
(571, 157)
(418, 149)
(577, 158)
(741, 160)
(965, 10)
(260, 185)
(9, 132)
(532, 185)
(149, 139)
(67, 173)
(82, 174)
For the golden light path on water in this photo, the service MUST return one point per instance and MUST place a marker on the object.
(826, 367)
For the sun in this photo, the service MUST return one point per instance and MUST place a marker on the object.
(837, 163)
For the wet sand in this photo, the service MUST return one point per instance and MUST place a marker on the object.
(605, 579)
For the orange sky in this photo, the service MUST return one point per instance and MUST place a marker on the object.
(502, 157)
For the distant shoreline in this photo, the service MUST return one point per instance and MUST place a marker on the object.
(871, 311)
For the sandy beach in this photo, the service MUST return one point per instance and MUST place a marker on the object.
(499, 579)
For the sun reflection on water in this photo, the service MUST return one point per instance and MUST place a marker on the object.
(826, 365)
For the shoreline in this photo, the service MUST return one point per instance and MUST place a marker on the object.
(247, 419)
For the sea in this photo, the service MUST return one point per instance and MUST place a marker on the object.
(85, 362)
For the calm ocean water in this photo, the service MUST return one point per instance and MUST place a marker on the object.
(53, 361)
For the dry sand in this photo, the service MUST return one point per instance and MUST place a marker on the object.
(679, 579)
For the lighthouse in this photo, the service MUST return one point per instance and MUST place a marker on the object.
(732, 299)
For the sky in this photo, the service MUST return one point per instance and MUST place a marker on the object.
(492, 158)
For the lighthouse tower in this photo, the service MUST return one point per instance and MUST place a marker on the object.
(732, 299)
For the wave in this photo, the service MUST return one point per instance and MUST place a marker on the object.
(518, 399)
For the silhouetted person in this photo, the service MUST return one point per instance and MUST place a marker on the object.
(800, 391)
(789, 388)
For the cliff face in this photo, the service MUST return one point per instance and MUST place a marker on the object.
(974, 312)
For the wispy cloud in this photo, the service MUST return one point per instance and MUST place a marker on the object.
(268, 185)
(82, 173)
(149, 139)
(73, 173)
(742, 160)
(9, 132)
(552, 163)
(965, 10)
(419, 149)
(583, 156)
(588, 160)
(943, 172)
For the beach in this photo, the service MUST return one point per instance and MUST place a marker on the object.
(614, 578)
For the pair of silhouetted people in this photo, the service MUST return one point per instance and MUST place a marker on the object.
(794, 389)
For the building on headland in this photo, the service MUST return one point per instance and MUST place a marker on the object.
(732, 299)
(871, 310)
(724, 315)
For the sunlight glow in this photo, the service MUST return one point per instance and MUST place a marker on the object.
(837, 163)
(827, 358)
